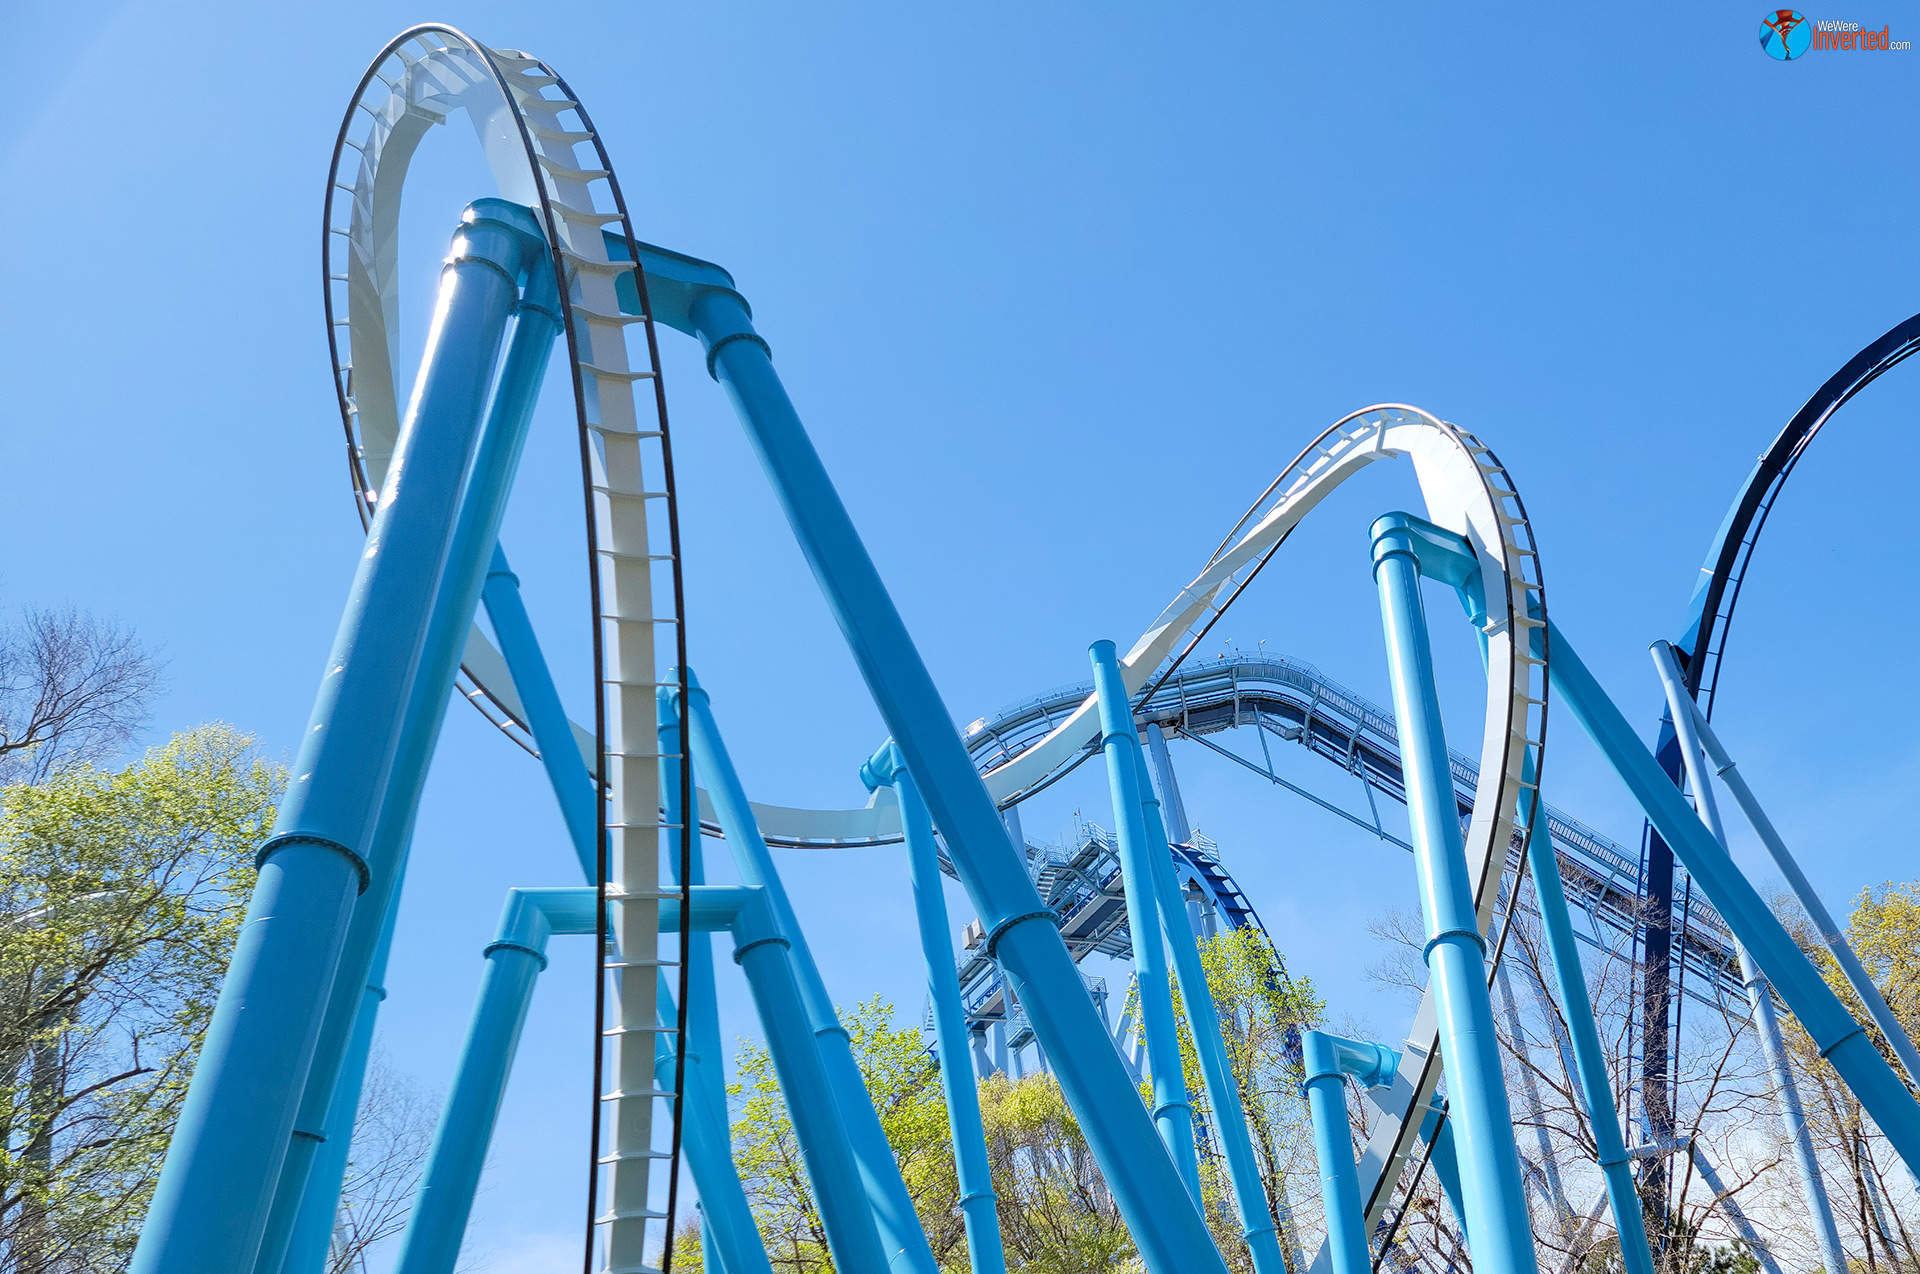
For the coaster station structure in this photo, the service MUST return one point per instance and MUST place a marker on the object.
(253, 1174)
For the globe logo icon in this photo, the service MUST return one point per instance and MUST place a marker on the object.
(1784, 34)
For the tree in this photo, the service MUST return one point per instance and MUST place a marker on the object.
(1056, 1214)
(72, 688)
(904, 1083)
(1874, 1203)
(1261, 1011)
(392, 1134)
(1720, 1101)
(1885, 932)
(121, 895)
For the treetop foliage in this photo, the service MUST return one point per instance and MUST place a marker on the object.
(121, 893)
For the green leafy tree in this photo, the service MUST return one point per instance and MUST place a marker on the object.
(904, 1083)
(1056, 1214)
(120, 897)
(1262, 1011)
(1876, 1202)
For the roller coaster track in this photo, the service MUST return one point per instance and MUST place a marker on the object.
(1293, 703)
(1704, 630)
(1709, 615)
(533, 129)
(1467, 491)
(533, 148)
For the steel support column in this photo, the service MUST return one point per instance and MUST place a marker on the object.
(515, 959)
(1203, 1020)
(482, 507)
(1497, 1220)
(728, 1228)
(211, 1206)
(1172, 1111)
(1596, 1090)
(1830, 932)
(1840, 1039)
(567, 771)
(1021, 934)
(978, 1202)
(893, 1211)
(1786, 1093)
(320, 1203)
(1327, 1061)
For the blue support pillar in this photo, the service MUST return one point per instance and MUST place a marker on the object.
(1172, 1111)
(978, 1203)
(547, 719)
(762, 949)
(1840, 1039)
(703, 1001)
(1497, 1218)
(899, 1224)
(482, 506)
(1223, 1089)
(1786, 1092)
(1446, 1166)
(1021, 934)
(1596, 1090)
(1327, 1061)
(728, 1229)
(224, 1164)
(320, 1204)
(515, 959)
(438, 1220)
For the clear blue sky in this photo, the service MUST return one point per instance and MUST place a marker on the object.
(1058, 289)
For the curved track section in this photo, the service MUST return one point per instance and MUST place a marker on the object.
(1467, 491)
(544, 153)
(1709, 616)
(1292, 702)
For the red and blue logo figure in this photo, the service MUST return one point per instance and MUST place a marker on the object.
(1785, 35)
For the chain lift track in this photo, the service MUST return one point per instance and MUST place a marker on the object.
(532, 142)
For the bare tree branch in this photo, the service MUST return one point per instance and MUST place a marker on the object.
(72, 688)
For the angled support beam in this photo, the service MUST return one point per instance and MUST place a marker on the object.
(1688, 718)
(978, 1202)
(699, 298)
(1786, 1092)
(1840, 1039)
(515, 959)
(1497, 1220)
(892, 1207)
(1328, 1060)
(1203, 1021)
(284, 1019)
(547, 719)
(728, 1228)
(1172, 1111)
